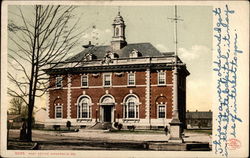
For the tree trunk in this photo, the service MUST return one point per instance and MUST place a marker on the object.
(29, 122)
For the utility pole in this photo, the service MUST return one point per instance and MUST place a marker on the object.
(175, 124)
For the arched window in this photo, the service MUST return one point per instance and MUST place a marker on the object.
(117, 31)
(131, 107)
(58, 111)
(84, 108)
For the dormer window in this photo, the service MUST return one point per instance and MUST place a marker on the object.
(134, 53)
(59, 82)
(89, 57)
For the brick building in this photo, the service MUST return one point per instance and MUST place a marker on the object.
(127, 83)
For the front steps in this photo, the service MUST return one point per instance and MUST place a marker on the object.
(102, 125)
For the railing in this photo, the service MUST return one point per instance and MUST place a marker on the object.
(115, 61)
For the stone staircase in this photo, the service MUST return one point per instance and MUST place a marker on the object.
(102, 125)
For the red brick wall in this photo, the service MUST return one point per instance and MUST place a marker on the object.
(165, 91)
(117, 92)
(62, 93)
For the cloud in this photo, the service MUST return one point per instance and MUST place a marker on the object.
(195, 52)
(162, 48)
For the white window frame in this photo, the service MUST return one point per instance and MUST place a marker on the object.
(158, 111)
(80, 108)
(58, 106)
(110, 76)
(61, 82)
(136, 108)
(82, 81)
(131, 73)
(158, 77)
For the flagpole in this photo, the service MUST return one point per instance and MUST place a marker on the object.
(175, 124)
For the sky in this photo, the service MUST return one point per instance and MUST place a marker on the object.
(151, 24)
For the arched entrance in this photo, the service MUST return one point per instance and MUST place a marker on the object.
(107, 103)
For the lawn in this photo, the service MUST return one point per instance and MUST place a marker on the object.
(137, 131)
(205, 131)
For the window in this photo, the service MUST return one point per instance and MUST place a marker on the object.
(131, 108)
(84, 81)
(161, 111)
(58, 111)
(131, 79)
(134, 53)
(161, 78)
(84, 108)
(117, 31)
(58, 82)
(107, 80)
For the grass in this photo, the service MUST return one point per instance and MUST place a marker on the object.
(16, 144)
(208, 132)
(205, 131)
(59, 130)
(138, 131)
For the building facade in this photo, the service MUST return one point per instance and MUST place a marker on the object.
(127, 83)
(199, 119)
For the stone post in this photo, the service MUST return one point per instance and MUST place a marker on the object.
(175, 124)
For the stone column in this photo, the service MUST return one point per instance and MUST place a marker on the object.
(47, 103)
(175, 124)
(147, 95)
(69, 98)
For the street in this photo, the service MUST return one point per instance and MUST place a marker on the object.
(98, 139)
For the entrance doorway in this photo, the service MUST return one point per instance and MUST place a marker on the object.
(107, 113)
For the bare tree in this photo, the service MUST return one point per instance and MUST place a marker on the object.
(41, 37)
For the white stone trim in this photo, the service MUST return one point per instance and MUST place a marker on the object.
(85, 75)
(113, 86)
(89, 108)
(131, 73)
(101, 111)
(69, 98)
(156, 85)
(107, 95)
(48, 103)
(137, 123)
(59, 105)
(158, 78)
(161, 104)
(137, 104)
(147, 95)
(174, 92)
(145, 60)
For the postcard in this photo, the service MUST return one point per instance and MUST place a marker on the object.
(125, 79)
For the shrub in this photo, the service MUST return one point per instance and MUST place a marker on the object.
(116, 124)
(131, 128)
(68, 124)
(166, 129)
(56, 127)
(119, 126)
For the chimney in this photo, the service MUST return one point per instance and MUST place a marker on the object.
(88, 45)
